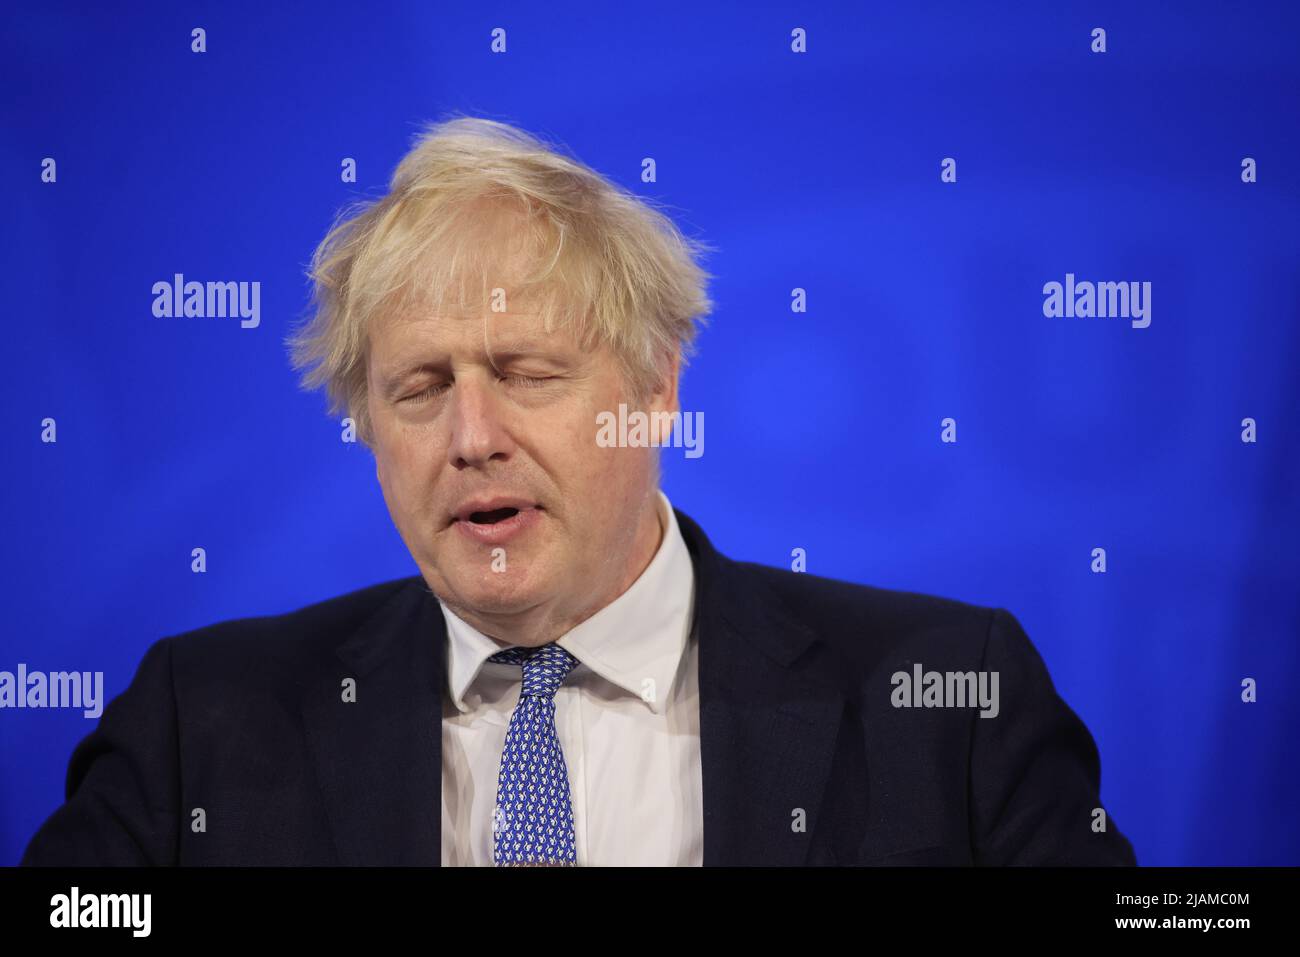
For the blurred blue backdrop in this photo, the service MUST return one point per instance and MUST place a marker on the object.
(818, 170)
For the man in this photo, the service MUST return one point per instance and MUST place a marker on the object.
(576, 676)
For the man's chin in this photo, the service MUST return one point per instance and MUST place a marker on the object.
(498, 597)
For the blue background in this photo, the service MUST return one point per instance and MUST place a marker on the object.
(818, 171)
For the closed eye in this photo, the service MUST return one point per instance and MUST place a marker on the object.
(527, 382)
(427, 394)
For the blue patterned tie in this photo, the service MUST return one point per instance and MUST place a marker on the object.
(533, 823)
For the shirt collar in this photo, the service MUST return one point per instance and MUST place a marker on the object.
(635, 642)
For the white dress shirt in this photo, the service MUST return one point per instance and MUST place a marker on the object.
(627, 717)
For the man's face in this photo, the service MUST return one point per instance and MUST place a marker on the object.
(452, 435)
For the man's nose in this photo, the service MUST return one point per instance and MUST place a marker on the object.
(478, 430)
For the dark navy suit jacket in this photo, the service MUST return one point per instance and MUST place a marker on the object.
(805, 759)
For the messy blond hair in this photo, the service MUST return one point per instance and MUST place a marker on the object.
(607, 263)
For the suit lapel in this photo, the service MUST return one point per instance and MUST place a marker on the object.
(379, 760)
(768, 720)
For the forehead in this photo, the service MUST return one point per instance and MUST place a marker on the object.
(466, 334)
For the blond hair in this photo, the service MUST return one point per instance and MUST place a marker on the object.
(605, 262)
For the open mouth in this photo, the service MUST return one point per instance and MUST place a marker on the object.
(492, 517)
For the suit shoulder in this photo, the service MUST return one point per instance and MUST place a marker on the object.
(854, 617)
(303, 633)
(837, 597)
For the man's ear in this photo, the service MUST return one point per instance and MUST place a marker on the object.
(664, 397)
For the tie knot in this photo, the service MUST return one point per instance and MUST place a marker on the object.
(545, 667)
